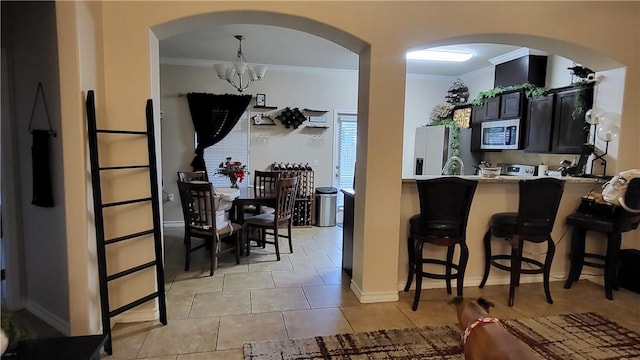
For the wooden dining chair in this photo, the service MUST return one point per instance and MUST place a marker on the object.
(268, 224)
(264, 185)
(199, 210)
(192, 176)
(265, 182)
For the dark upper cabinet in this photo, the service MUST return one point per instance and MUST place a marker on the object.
(570, 130)
(531, 69)
(491, 109)
(510, 105)
(477, 113)
(554, 125)
(539, 124)
(504, 106)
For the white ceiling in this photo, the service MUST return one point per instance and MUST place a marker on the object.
(272, 45)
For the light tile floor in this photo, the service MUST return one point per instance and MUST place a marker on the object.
(306, 294)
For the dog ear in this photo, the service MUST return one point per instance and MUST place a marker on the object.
(486, 304)
(456, 300)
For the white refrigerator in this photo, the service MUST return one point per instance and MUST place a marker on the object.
(433, 149)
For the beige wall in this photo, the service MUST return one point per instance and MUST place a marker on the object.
(127, 82)
(81, 66)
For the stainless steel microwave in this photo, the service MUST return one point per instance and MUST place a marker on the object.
(500, 135)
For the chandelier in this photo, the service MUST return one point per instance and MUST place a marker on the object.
(240, 74)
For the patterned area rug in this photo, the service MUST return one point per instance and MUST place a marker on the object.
(576, 336)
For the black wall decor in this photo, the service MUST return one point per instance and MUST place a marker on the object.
(291, 117)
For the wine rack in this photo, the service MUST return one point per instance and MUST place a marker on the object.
(304, 207)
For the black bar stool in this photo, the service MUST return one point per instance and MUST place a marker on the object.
(611, 221)
(444, 211)
(537, 208)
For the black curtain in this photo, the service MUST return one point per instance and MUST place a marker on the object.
(213, 118)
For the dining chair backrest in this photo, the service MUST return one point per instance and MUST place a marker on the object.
(198, 205)
(265, 182)
(285, 199)
(192, 176)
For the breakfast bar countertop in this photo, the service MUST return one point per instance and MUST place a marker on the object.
(511, 179)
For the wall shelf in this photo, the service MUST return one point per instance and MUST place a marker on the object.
(265, 107)
(314, 111)
(316, 127)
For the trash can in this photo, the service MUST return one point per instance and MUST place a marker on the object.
(326, 203)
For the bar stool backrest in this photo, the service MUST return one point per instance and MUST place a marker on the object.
(446, 201)
(537, 208)
(629, 220)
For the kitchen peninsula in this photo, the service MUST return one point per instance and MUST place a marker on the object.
(495, 195)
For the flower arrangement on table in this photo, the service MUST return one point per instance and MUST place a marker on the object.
(234, 170)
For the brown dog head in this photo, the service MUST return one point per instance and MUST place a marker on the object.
(470, 310)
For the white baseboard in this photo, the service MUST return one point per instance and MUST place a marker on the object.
(475, 281)
(598, 279)
(173, 224)
(45, 315)
(374, 297)
(137, 315)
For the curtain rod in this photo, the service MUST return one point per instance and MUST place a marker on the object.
(181, 94)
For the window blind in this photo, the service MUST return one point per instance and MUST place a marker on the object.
(236, 145)
(347, 137)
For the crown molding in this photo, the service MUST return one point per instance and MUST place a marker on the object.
(482, 71)
(281, 68)
(516, 54)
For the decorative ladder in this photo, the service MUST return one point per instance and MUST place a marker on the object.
(98, 206)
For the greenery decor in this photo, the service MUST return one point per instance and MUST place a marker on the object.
(580, 102)
(454, 144)
(530, 90)
(13, 330)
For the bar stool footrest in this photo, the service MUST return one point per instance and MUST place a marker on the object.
(454, 275)
(529, 261)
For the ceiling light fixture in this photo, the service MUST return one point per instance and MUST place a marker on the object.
(235, 74)
(435, 55)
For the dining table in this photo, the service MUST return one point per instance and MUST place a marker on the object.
(248, 196)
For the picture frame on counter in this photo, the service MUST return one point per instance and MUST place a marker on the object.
(261, 100)
(462, 115)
